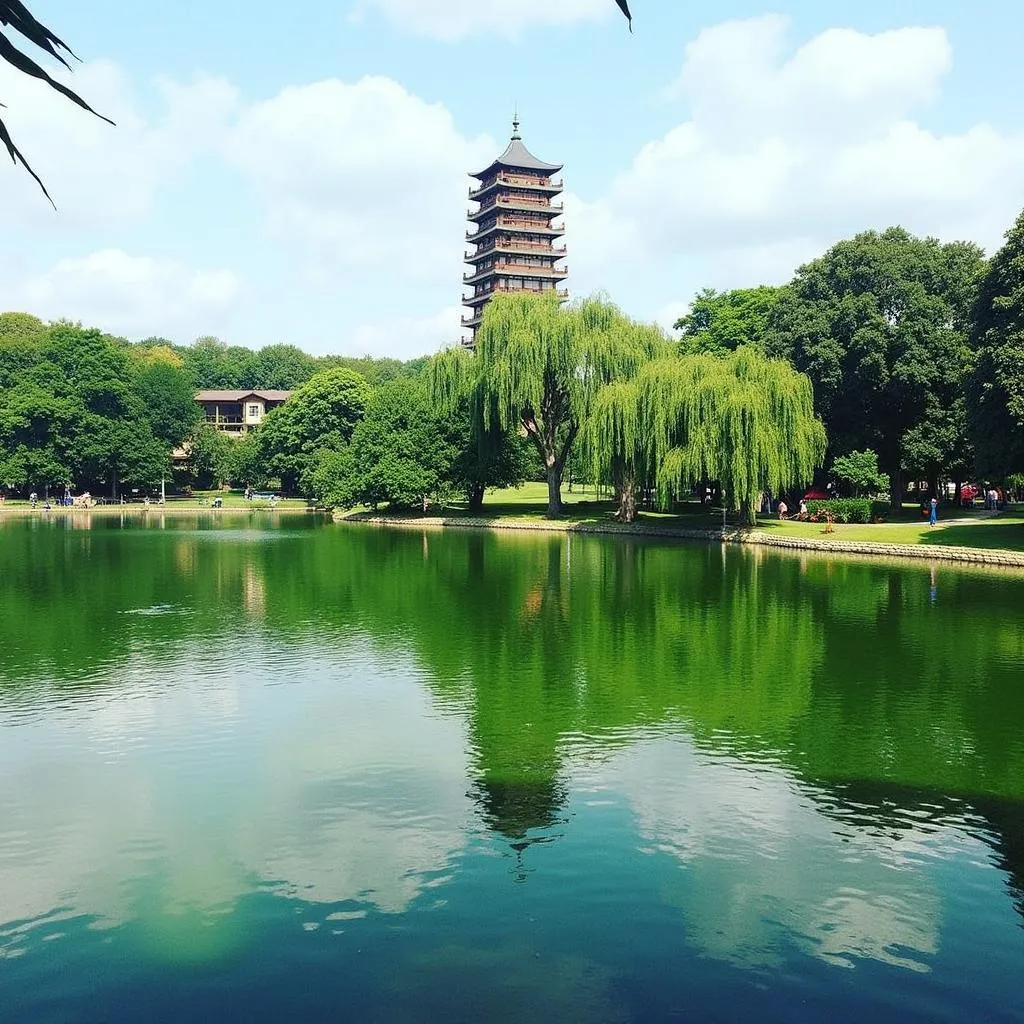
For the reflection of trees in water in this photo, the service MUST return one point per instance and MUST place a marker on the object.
(1006, 817)
(840, 670)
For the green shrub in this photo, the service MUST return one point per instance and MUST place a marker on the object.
(847, 510)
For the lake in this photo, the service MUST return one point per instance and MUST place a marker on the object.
(261, 767)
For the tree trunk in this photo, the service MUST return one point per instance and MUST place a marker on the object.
(748, 514)
(896, 489)
(625, 492)
(476, 497)
(113, 484)
(554, 473)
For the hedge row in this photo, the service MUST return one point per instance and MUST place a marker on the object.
(848, 510)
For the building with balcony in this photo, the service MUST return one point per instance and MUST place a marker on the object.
(514, 234)
(237, 412)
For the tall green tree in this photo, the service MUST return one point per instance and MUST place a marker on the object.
(165, 393)
(21, 338)
(538, 367)
(723, 321)
(879, 324)
(320, 416)
(400, 452)
(211, 457)
(741, 419)
(996, 384)
(488, 456)
(280, 367)
(72, 411)
(859, 472)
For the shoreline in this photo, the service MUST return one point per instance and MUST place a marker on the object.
(750, 537)
(135, 509)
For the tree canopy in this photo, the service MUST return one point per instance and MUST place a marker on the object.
(859, 472)
(538, 367)
(320, 416)
(879, 323)
(723, 321)
(741, 419)
(400, 452)
(996, 385)
(80, 407)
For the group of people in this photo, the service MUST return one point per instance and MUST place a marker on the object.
(783, 509)
(995, 499)
(84, 500)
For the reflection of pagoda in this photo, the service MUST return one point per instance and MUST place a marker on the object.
(514, 234)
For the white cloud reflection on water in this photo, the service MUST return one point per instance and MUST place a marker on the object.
(766, 868)
(182, 792)
(169, 797)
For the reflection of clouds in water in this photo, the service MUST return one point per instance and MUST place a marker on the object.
(150, 797)
(765, 866)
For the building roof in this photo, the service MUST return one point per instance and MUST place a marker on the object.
(241, 396)
(517, 156)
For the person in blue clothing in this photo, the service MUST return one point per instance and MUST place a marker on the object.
(933, 515)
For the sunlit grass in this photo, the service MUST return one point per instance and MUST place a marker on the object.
(584, 505)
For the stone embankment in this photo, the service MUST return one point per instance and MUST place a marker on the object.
(925, 552)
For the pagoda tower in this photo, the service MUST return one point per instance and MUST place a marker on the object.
(514, 231)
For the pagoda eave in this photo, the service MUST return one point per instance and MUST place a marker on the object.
(540, 230)
(551, 189)
(549, 273)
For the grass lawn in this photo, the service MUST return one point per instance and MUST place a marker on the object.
(1006, 532)
(232, 499)
(200, 500)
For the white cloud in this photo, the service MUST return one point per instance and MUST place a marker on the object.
(407, 337)
(131, 295)
(100, 174)
(452, 20)
(668, 314)
(365, 175)
(785, 152)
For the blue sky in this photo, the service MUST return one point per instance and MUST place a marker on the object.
(304, 179)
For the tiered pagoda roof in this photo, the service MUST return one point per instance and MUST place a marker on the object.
(514, 230)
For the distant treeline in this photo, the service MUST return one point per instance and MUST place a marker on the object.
(211, 363)
(83, 409)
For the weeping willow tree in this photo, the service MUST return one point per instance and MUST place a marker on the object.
(741, 419)
(538, 368)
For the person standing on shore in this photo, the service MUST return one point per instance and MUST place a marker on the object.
(933, 515)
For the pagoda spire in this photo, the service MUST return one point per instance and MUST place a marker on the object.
(515, 235)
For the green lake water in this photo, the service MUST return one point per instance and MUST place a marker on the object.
(266, 768)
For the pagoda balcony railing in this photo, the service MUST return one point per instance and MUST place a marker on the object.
(527, 247)
(533, 204)
(516, 269)
(517, 225)
(470, 321)
(472, 300)
(516, 182)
